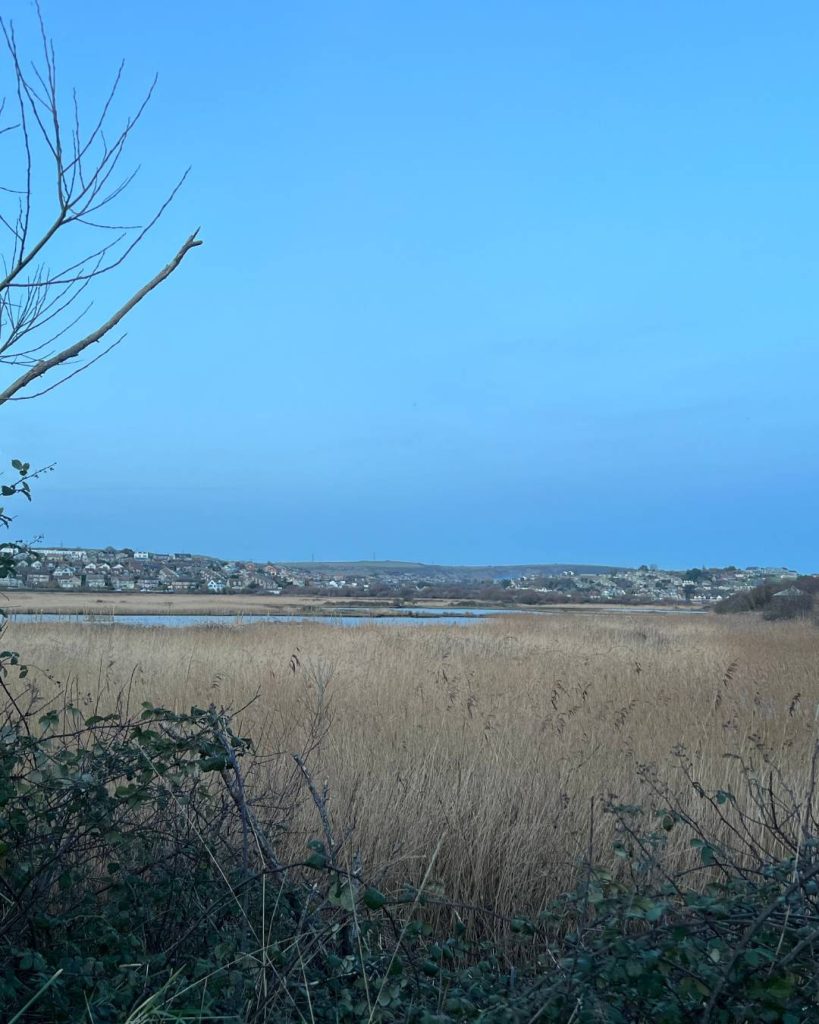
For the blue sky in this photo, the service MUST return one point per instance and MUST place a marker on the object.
(481, 283)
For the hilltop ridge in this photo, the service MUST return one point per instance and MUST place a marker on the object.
(473, 572)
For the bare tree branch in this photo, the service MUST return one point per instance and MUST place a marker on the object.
(43, 367)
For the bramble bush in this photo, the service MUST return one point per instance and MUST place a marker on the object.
(140, 880)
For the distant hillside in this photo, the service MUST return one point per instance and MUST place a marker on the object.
(421, 570)
(362, 566)
(763, 598)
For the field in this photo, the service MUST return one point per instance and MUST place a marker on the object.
(489, 749)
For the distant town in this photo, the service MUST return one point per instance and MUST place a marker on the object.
(121, 570)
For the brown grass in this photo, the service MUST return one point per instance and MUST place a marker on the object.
(487, 741)
(106, 603)
(54, 602)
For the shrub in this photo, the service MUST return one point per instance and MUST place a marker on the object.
(788, 606)
(763, 597)
(140, 881)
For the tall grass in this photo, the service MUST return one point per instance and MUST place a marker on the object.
(488, 745)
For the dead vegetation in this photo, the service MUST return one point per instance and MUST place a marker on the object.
(489, 743)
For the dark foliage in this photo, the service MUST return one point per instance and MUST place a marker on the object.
(761, 597)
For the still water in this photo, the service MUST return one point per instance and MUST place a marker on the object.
(344, 617)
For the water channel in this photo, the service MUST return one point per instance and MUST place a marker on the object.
(342, 617)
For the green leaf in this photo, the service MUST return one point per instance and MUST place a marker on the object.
(342, 895)
(634, 967)
(779, 988)
(706, 851)
(47, 720)
(373, 899)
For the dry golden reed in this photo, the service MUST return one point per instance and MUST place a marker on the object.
(486, 742)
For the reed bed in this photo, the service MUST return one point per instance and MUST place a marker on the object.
(491, 748)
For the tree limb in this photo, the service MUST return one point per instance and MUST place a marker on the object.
(45, 365)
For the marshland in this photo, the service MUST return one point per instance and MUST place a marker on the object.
(484, 753)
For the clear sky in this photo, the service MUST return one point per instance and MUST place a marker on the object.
(481, 282)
